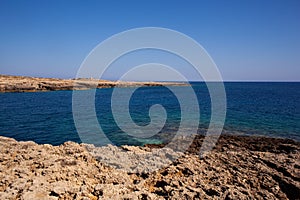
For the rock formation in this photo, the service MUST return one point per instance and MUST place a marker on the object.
(239, 167)
(31, 84)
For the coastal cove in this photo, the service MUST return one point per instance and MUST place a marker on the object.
(253, 108)
(149, 100)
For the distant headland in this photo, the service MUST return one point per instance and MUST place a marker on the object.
(33, 84)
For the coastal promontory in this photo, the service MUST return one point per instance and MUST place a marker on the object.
(33, 84)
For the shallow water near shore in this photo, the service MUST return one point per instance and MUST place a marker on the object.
(264, 108)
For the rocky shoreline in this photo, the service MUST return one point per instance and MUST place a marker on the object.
(32, 84)
(239, 167)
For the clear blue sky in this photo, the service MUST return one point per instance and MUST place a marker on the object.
(248, 40)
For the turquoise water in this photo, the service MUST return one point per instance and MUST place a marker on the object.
(262, 108)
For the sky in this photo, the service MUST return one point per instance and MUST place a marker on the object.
(257, 40)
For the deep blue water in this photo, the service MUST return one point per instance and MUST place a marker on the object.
(262, 108)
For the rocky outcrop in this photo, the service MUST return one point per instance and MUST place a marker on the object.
(31, 84)
(239, 167)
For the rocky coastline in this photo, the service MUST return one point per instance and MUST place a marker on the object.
(239, 167)
(32, 84)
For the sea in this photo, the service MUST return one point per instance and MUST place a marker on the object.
(269, 109)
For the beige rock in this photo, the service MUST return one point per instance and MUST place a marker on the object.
(32, 84)
(238, 168)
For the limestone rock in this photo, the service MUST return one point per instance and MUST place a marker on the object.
(238, 167)
(33, 84)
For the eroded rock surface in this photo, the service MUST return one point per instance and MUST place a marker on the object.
(238, 168)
